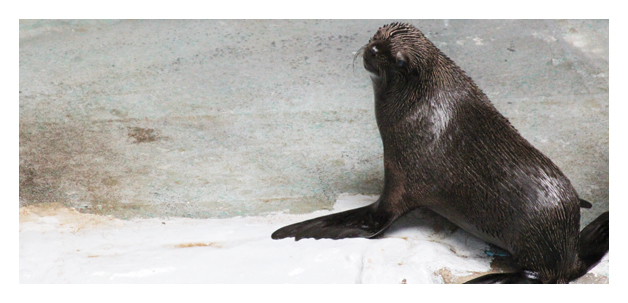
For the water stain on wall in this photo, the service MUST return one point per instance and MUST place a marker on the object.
(143, 135)
(73, 164)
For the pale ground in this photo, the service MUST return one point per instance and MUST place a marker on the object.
(61, 245)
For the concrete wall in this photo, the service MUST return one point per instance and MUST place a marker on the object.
(223, 118)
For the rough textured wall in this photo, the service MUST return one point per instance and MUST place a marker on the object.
(224, 118)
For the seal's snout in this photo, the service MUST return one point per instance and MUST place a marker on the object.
(369, 63)
(371, 51)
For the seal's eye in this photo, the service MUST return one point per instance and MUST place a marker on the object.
(401, 59)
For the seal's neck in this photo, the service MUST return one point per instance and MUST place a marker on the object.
(427, 99)
(396, 95)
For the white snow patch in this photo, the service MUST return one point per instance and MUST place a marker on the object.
(478, 41)
(143, 272)
(69, 247)
(544, 37)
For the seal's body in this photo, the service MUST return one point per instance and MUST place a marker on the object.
(448, 149)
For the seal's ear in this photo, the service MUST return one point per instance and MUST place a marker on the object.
(402, 59)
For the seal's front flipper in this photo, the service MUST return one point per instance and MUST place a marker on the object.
(593, 242)
(505, 278)
(364, 222)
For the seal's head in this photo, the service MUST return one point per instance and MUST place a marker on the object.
(399, 49)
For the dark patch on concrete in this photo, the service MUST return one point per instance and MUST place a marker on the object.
(109, 181)
(35, 188)
(119, 113)
(59, 161)
(101, 204)
(75, 164)
(142, 135)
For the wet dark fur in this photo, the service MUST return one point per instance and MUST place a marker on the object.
(447, 148)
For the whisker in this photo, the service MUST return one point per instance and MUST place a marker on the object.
(358, 53)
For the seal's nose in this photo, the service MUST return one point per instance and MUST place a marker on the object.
(369, 58)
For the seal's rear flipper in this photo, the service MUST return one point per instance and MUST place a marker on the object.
(593, 242)
(505, 278)
(365, 222)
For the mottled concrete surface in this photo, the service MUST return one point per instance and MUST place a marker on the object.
(226, 118)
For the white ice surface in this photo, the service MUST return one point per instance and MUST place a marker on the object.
(69, 247)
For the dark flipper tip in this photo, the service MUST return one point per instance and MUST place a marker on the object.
(585, 204)
(364, 222)
(279, 234)
(594, 241)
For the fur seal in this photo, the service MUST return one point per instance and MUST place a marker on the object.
(448, 149)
